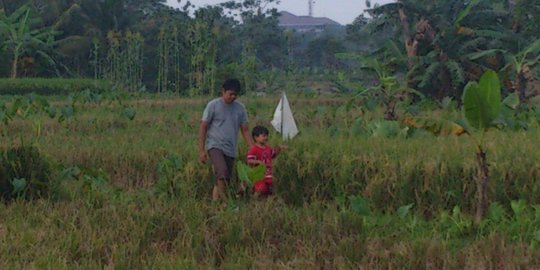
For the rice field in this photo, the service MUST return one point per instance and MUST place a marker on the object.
(351, 192)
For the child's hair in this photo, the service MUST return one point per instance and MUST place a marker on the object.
(232, 85)
(258, 130)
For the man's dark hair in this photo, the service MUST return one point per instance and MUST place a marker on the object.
(258, 130)
(232, 85)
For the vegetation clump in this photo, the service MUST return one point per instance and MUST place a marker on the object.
(56, 86)
(24, 172)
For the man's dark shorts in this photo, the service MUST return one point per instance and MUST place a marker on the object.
(222, 164)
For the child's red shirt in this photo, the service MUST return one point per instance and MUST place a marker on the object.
(265, 154)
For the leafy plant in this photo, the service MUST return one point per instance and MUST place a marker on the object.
(390, 89)
(455, 223)
(517, 64)
(19, 185)
(356, 203)
(403, 211)
(519, 208)
(496, 213)
(250, 174)
(22, 39)
(481, 107)
(168, 172)
(23, 173)
(129, 113)
(386, 129)
(359, 205)
(482, 101)
(66, 112)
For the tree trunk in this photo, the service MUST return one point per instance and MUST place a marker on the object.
(516, 21)
(482, 182)
(14, 65)
(390, 112)
(516, 26)
(445, 89)
(411, 45)
(521, 83)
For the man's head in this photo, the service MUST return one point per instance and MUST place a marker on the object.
(260, 135)
(230, 90)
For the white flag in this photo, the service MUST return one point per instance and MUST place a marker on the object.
(283, 120)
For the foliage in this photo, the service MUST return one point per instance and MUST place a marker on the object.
(22, 40)
(42, 86)
(518, 64)
(524, 21)
(481, 107)
(191, 54)
(390, 90)
(436, 126)
(207, 32)
(359, 205)
(129, 113)
(250, 174)
(185, 233)
(389, 172)
(169, 181)
(24, 173)
(385, 129)
(434, 40)
(482, 101)
(123, 64)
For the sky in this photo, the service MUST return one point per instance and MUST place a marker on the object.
(341, 11)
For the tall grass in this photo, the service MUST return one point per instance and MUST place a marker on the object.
(104, 210)
(433, 173)
(183, 233)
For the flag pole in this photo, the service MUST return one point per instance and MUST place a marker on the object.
(282, 119)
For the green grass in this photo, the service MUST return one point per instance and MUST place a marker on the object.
(105, 210)
(51, 86)
(151, 232)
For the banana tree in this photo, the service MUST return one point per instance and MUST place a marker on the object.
(517, 65)
(435, 37)
(525, 19)
(22, 39)
(390, 89)
(481, 107)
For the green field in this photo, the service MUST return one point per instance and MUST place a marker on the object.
(418, 147)
(130, 194)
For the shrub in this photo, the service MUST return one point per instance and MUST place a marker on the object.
(23, 173)
(57, 86)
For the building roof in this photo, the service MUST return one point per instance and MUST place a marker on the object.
(287, 19)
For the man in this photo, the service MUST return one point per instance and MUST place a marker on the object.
(218, 134)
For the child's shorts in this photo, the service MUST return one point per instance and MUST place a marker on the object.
(262, 188)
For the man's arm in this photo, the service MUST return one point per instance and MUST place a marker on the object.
(245, 133)
(202, 140)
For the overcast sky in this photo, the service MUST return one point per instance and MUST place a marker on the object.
(342, 11)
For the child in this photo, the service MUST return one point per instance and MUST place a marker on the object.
(262, 154)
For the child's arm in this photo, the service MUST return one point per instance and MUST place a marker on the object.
(252, 158)
(278, 149)
(255, 162)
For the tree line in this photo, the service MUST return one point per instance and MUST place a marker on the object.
(433, 47)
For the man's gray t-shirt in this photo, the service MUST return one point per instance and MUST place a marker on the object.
(224, 121)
